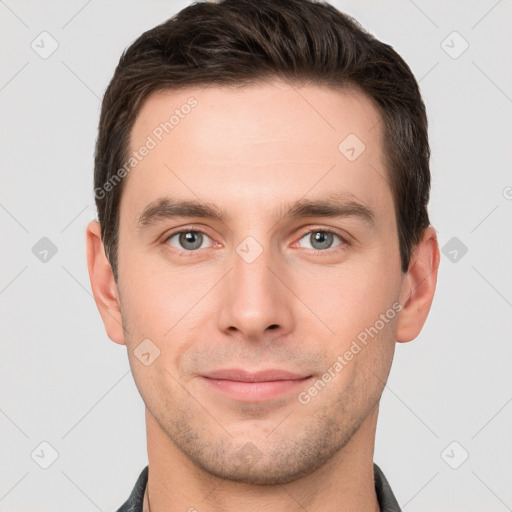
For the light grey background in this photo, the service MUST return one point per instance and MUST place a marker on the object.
(65, 383)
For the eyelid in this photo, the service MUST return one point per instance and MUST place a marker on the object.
(183, 229)
(325, 229)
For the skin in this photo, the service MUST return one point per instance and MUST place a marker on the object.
(249, 151)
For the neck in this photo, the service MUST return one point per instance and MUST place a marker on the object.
(345, 483)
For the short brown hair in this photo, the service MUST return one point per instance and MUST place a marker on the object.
(239, 42)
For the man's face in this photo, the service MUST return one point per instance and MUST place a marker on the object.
(258, 289)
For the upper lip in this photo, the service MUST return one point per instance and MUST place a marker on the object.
(261, 376)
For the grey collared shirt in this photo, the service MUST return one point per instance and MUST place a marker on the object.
(387, 500)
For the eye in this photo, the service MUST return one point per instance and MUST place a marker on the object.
(188, 240)
(322, 239)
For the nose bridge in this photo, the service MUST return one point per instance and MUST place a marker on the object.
(254, 299)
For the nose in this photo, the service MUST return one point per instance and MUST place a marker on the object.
(256, 304)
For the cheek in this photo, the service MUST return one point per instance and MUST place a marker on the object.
(351, 297)
(166, 305)
(145, 307)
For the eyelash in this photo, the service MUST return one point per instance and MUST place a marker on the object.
(194, 252)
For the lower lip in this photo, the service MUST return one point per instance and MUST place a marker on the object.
(255, 391)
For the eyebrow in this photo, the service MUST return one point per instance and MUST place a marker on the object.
(333, 206)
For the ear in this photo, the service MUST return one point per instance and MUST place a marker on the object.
(104, 287)
(418, 287)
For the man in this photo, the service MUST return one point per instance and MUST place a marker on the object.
(262, 180)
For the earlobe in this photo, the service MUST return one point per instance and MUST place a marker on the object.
(104, 287)
(418, 287)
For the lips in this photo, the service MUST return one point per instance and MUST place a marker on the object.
(263, 386)
(261, 376)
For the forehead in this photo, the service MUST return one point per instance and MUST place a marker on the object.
(313, 115)
(257, 143)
